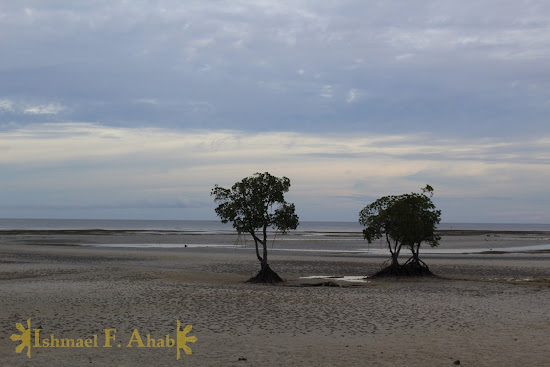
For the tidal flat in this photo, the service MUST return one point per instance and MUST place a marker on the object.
(482, 309)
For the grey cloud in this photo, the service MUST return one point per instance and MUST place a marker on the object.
(472, 72)
(439, 66)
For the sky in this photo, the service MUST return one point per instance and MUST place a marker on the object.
(136, 109)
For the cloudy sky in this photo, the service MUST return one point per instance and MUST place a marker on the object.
(135, 109)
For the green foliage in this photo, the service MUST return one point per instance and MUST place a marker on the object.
(404, 220)
(257, 202)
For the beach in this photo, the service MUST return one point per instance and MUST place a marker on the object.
(487, 308)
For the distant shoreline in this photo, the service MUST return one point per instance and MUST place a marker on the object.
(217, 226)
(445, 232)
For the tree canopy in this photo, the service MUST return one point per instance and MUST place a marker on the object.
(405, 220)
(254, 205)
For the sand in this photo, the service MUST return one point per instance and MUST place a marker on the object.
(482, 310)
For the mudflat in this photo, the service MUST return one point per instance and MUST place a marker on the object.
(482, 310)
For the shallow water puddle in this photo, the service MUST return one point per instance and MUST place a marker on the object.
(347, 278)
(508, 279)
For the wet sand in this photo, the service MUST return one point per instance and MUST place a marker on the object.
(295, 240)
(482, 310)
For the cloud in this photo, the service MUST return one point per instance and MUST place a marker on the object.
(49, 142)
(264, 63)
(111, 167)
(147, 101)
(6, 105)
(126, 164)
(352, 96)
(47, 109)
(26, 108)
(326, 91)
(403, 57)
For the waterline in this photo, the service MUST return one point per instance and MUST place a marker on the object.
(374, 251)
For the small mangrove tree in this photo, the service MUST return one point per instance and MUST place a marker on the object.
(404, 221)
(254, 205)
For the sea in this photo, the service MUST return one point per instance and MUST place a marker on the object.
(213, 226)
(309, 237)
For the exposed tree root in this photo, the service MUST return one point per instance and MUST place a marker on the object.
(266, 275)
(412, 268)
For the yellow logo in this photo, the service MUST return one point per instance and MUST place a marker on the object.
(25, 338)
(109, 340)
(182, 338)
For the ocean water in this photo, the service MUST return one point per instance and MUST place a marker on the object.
(311, 237)
(212, 226)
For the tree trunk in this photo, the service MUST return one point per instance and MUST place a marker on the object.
(264, 243)
(394, 251)
(415, 249)
(266, 274)
(395, 259)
